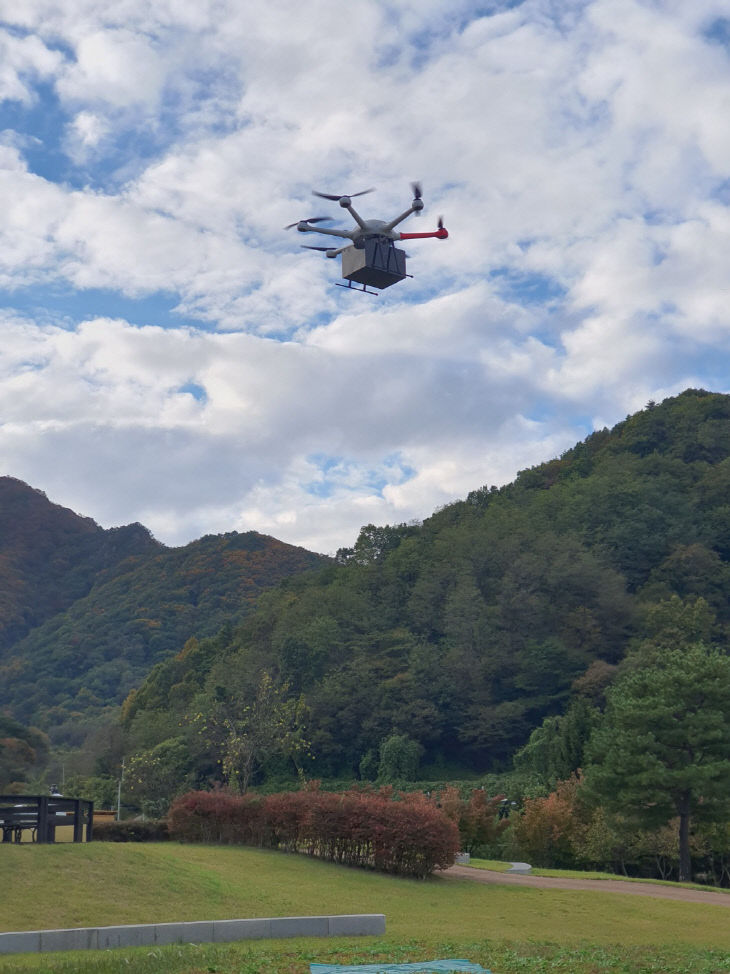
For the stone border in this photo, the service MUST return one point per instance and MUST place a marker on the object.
(204, 931)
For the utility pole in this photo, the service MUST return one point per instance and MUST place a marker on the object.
(119, 793)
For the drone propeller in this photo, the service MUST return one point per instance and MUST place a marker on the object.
(341, 196)
(441, 223)
(417, 194)
(309, 247)
(312, 219)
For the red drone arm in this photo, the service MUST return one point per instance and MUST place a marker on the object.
(442, 233)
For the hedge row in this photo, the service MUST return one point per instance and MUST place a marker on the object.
(131, 830)
(410, 837)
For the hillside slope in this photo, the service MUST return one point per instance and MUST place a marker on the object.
(465, 632)
(92, 610)
(50, 556)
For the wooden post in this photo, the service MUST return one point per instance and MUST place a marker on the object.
(78, 821)
(42, 835)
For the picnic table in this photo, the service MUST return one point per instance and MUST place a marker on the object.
(41, 815)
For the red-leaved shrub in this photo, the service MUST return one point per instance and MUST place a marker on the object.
(216, 816)
(410, 837)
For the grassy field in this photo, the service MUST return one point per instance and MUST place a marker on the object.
(494, 865)
(507, 929)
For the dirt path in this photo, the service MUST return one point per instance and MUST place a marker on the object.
(600, 885)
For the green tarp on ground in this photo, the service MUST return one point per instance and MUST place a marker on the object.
(420, 967)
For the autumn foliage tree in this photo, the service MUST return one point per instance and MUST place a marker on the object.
(547, 830)
(477, 817)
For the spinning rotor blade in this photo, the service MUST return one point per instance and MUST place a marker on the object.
(309, 247)
(340, 196)
(441, 223)
(312, 219)
(417, 190)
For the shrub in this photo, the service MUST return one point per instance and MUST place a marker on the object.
(217, 816)
(131, 830)
(399, 758)
(411, 837)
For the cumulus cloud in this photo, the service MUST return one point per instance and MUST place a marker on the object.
(151, 154)
(24, 60)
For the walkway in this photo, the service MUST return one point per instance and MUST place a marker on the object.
(595, 885)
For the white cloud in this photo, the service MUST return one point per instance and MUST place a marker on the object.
(116, 66)
(24, 61)
(579, 154)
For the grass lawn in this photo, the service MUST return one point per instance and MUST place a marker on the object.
(508, 929)
(493, 865)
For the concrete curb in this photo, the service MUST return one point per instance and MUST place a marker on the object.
(205, 931)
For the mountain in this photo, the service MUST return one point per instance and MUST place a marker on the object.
(87, 611)
(465, 632)
(50, 557)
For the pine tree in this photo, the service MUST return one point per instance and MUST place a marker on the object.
(663, 747)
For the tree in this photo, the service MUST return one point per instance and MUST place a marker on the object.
(663, 747)
(157, 776)
(548, 827)
(477, 818)
(23, 751)
(555, 749)
(399, 758)
(249, 735)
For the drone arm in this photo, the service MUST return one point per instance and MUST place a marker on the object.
(304, 227)
(355, 216)
(442, 233)
(340, 250)
(401, 218)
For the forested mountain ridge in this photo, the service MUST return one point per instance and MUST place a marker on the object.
(87, 612)
(464, 633)
(50, 556)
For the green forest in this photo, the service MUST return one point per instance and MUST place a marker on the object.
(86, 612)
(495, 643)
(511, 607)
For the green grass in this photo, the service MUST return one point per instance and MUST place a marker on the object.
(508, 929)
(294, 957)
(493, 865)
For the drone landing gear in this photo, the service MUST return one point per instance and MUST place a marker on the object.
(364, 288)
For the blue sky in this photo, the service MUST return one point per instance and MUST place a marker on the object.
(171, 355)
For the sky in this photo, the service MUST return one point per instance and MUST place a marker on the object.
(169, 354)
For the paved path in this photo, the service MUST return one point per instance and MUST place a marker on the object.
(595, 885)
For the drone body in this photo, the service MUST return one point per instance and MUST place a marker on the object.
(370, 257)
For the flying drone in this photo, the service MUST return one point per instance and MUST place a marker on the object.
(370, 257)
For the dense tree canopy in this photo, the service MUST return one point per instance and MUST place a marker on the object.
(498, 612)
(23, 753)
(125, 616)
(50, 557)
